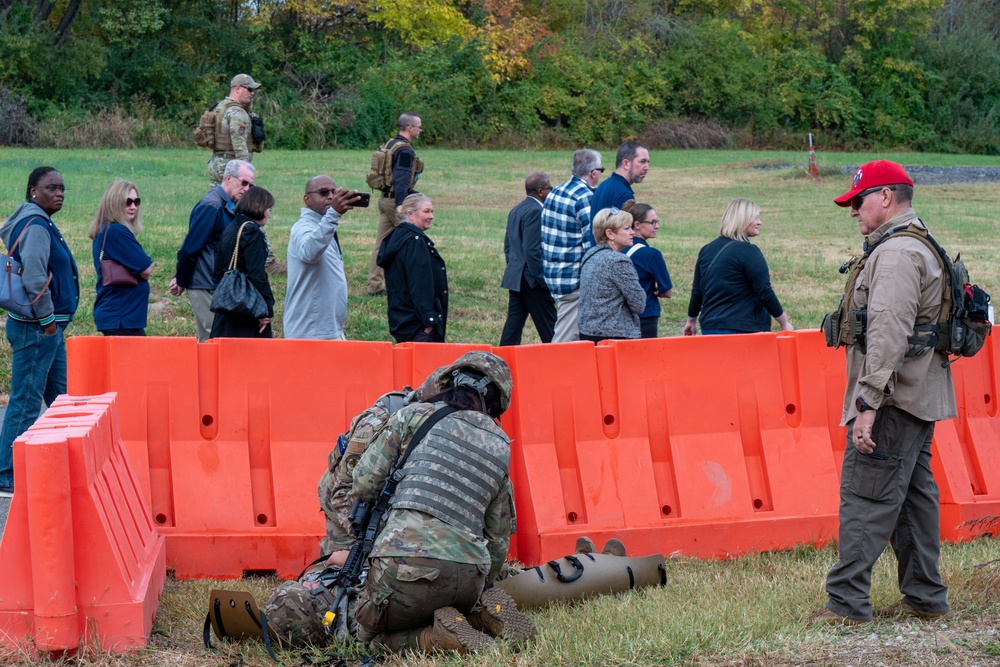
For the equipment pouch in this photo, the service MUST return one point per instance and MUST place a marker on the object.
(858, 322)
(831, 329)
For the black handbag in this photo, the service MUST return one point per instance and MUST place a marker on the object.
(235, 294)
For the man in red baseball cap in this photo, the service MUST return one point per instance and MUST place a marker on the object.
(893, 399)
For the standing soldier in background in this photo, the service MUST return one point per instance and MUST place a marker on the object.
(395, 170)
(231, 125)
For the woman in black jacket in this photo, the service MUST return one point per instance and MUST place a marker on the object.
(415, 276)
(253, 208)
(732, 284)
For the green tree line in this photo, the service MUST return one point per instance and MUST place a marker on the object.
(886, 74)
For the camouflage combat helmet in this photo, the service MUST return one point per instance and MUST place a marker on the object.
(487, 363)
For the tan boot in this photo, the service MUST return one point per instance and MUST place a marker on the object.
(497, 615)
(614, 547)
(452, 632)
(585, 545)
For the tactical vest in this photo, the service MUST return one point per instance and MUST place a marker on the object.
(379, 177)
(223, 142)
(455, 472)
(961, 327)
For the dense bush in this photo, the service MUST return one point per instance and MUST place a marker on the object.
(909, 74)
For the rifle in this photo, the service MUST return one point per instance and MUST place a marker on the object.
(366, 520)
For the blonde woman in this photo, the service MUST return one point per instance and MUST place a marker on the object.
(415, 276)
(732, 284)
(611, 297)
(120, 310)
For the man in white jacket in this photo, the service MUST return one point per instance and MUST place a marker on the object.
(316, 296)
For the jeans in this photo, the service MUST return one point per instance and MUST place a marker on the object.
(38, 372)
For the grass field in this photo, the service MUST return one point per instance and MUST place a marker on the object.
(804, 237)
(747, 612)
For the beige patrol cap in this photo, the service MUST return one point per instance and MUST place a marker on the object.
(245, 81)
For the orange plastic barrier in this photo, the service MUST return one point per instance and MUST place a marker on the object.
(701, 445)
(80, 560)
(710, 445)
(232, 436)
(966, 454)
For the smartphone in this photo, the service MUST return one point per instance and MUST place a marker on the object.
(364, 198)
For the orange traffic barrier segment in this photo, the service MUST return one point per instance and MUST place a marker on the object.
(966, 454)
(80, 560)
(709, 445)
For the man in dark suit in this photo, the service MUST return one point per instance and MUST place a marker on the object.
(522, 248)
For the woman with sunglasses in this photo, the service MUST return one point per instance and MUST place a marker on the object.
(120, 308)
(732, 284)
(52, 285)
(649, 265)
(610, 295)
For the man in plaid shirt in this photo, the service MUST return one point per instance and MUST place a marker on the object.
(566, 235)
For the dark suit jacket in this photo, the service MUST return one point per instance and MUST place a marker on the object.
(522, 246)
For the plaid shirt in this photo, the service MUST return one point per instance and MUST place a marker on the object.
(566, 235)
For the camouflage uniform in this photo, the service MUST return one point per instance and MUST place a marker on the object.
(335, 485)
(231, 142)
(422, 562)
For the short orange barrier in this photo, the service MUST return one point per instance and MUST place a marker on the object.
(80, 560)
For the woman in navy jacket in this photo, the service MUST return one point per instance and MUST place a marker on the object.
(120, 310)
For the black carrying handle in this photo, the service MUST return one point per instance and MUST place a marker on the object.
(575, 562)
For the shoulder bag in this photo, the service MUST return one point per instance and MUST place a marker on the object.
(235, 294)
(113, 274)
(13, 298)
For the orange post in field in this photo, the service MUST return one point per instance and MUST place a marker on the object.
(80, 561)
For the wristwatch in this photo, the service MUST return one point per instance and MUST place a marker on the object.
(860, 404)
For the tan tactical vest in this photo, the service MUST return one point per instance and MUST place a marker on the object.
(223, 143)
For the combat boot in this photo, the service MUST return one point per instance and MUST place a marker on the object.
(498, 616)
(452, 632)
(614, 547)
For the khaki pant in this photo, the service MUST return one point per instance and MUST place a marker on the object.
(889, 500)
(401, 595)
(567, 318)
(201, 306)
(387, 221)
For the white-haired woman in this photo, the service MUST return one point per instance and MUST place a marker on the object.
(732, 284)
(611, 297)
(120, 310)
(416, 280)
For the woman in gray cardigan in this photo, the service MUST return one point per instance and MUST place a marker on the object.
(611, 297)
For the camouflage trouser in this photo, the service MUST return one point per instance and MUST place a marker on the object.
(401, 595)
(216, 170)
(336, 501)
(296, 614)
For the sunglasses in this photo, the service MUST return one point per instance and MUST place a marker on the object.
(600, 169)
(129, 201)
(322, 192)
(859, 199)
(246, 184)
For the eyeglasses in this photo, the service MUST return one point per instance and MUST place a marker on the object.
(654, 222)
(129, 201)
(322, 192)
(859, 199)
(55, 188)
(600, 169)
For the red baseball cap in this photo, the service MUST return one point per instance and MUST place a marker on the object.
(872, 175)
